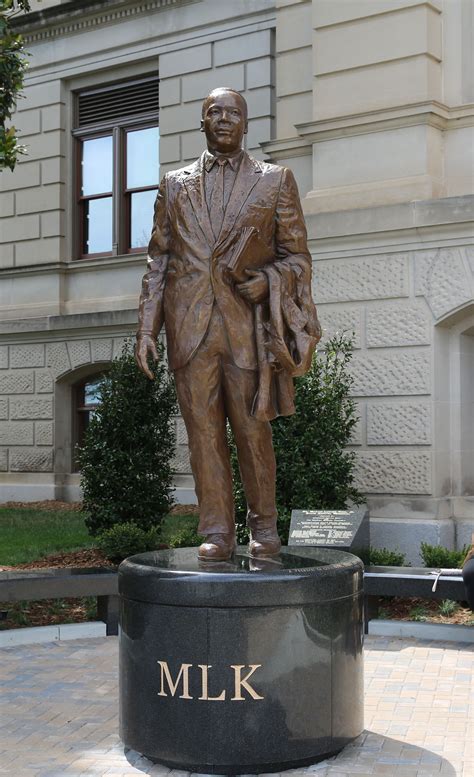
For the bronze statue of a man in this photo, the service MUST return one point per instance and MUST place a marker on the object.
(229, 273)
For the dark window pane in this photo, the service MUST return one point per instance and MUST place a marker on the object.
(98, 226)
(143, 167)
(142, 217)
(97, 166)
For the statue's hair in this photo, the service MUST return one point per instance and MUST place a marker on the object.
(223, 89)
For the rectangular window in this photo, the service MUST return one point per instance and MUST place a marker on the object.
(117, 136)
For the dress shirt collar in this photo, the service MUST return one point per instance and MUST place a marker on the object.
(234, 161)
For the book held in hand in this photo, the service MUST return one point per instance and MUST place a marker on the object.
(248, 252)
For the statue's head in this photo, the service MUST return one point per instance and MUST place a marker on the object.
(224, 120)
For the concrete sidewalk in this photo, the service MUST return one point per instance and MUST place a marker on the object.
(58, 713)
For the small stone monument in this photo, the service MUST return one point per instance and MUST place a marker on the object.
(338, 529)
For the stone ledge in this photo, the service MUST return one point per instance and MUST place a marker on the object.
(41, 634)
(430, 112)
(103, 319)
(391, 218)
(435, 632)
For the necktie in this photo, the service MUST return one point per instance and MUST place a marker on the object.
(216, 205)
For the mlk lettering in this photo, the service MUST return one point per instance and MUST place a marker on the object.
(179, 687)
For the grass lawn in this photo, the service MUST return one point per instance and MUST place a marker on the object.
(27, 535)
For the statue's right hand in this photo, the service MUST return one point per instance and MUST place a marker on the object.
(145, 348)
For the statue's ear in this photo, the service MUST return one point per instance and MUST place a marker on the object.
(246, 128)
(202, 125)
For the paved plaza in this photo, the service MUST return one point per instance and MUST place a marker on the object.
(58, 713)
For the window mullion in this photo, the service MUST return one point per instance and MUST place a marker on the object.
(118, 183)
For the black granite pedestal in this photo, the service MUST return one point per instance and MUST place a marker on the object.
(244, 666)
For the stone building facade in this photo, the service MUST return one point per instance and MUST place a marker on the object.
(371, 103)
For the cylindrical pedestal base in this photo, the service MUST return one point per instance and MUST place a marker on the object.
(240, 667)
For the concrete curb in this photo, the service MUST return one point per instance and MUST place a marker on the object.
(442, 632)
(38, 634)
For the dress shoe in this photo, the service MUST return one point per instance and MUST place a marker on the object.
(264, 541)
(217, 547)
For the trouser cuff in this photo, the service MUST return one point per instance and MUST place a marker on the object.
(256, 521)
(210, 526)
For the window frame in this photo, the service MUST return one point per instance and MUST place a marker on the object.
(79, 410)
(126, 193)
(117, 128)
(81, 199)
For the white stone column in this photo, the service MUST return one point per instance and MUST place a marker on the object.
(377, 103)
(392, 100)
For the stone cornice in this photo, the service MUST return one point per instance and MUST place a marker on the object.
(287, 147)
(407, 217)
(430, 113)
(99, 264)
(106, 319)
(78, 15)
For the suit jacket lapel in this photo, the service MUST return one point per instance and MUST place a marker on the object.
(248, 176)
(194, 183)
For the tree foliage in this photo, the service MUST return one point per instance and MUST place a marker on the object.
(314, 466)
(126, 457)
(13, 66)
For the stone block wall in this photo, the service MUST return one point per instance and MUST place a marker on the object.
(242, 62)
(33, 197)
(294, 65)
(401, 280)
(36, 413)
(194, 49)
(370, 297)
(392, 303)
(26, 409)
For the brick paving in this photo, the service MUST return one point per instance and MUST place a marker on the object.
(58, 713)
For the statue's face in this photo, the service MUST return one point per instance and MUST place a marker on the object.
(224, 121)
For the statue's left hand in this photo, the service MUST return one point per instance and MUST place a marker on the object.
(256, 288)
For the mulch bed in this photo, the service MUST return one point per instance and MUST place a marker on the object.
(45, 504)
(52, 504)
(47, 612)
(89, 557)
(422, 610)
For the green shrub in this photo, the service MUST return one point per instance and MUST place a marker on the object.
(128, 448)
(126, 539)
(418, 613)
(447, 607)
(181, 531)
(382, 557)
(187, 537)
(314, 467)
(439, 557)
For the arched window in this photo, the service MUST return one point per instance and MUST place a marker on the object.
(86, 401)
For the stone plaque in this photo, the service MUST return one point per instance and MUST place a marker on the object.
(341, 529)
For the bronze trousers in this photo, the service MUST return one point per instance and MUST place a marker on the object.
(212, 389)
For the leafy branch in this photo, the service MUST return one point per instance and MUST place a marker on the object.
(13, 66)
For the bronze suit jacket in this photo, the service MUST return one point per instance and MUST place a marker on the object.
(186, 265)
